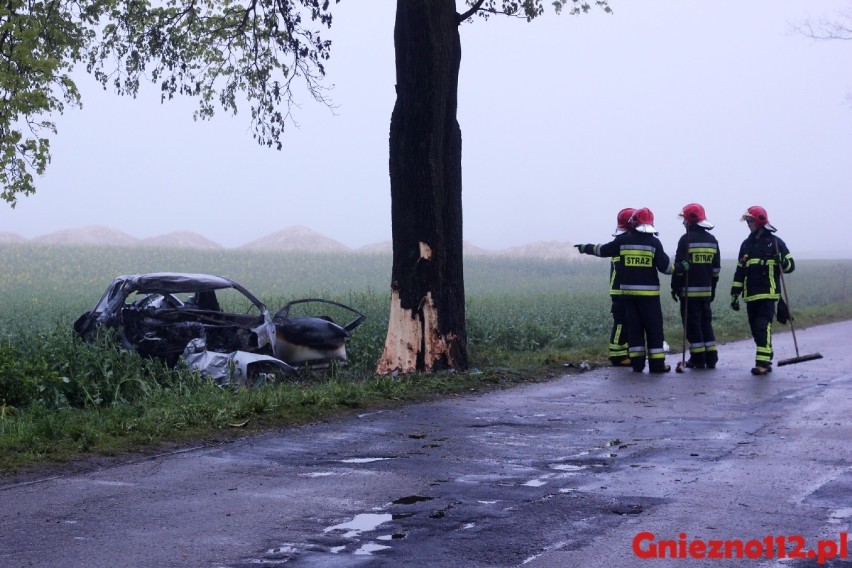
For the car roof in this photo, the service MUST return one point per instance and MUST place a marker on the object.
(175, 282)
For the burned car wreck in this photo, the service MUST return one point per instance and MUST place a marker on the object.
(217, 326)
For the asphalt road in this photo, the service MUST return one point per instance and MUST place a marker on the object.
(597, 468)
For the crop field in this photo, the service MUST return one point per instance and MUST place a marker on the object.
(526, 318)
(513, 304)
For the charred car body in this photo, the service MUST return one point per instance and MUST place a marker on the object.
(215, 325)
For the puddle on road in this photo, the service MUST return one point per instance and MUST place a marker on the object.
(346, 535)
(567, 467)
(361, 523)
(370, 548)
(554, 546)
(720, 436)
(411, 500)
(364, 460)
(566, 470)
(627, 509)
(366, 414)
(283, 549)
(319, 474)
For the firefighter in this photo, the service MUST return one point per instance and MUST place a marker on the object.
(760, 261)
(618, 335)
(642, 256)
(697, 288)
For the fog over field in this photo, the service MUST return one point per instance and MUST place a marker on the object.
(564, 120)
(299, 238)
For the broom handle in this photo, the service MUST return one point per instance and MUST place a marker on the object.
(787, 299)
(685, 306)
(685, 317)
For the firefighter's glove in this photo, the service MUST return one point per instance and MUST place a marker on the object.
(735, 302)
(585, 249)
(675, 295)
(681, 267)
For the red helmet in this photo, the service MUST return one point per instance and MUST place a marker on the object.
(623, 220)
(760, 217)
(643, 220)
(694, 214)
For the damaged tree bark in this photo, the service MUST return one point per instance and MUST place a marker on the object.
(426, 330)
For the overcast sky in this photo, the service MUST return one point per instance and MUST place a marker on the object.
(564, 121)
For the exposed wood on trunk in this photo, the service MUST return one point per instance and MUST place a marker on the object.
(404, 340)
(412, 337)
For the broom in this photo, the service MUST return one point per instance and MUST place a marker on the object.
(798, 358)
(681, 366)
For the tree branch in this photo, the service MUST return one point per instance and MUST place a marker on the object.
(473, 10)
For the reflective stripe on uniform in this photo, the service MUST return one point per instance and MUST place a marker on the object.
(639, 290)
(656, 353)
(702, 253)
(699, 291)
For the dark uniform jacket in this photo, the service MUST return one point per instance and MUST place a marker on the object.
(760, 261)
(640, 256)
(701, 249)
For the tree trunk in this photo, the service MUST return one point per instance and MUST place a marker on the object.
(426, 331)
